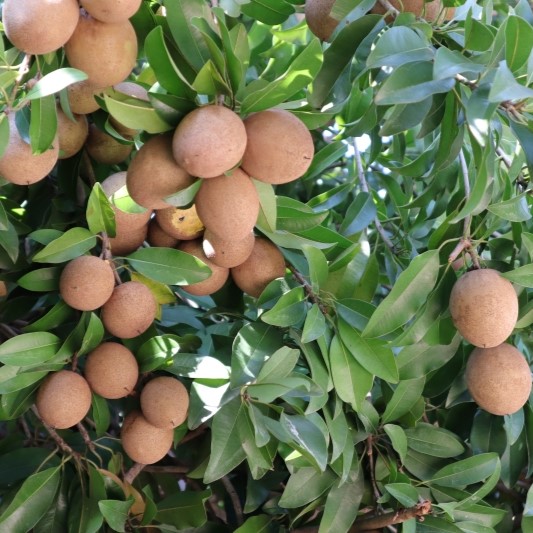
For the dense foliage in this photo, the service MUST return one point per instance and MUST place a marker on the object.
(338, 395)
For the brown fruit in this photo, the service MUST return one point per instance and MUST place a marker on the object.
(3, 289)
(87, 282)
(228, 205)
(106, 52)
(81, 97)
(63, 399)
(227, 253)
(39, 26)
(183, 224)
(125, 222)
(499, 379)
(106, 149)
(165, 402)
(143, 442)
(19, 165)
(133, 90)
(484, 307)
(111, 370)
(157, 237)
(265, 264)
(126, 242)
(280, 147)
(71, 135)
(130, 311)
(153, 174)
(431, 11)
(106, 11)
(209, 141)
(215, 281)
(319, 19)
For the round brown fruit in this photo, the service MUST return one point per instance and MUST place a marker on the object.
(153, 174)
(3, 289)
(19, 165)
(143, 442)
(484, 307)
(125, 222)
(215, 281)
(133, 90)
(130, 311)
(165, 402)
(106, 11)
(157, 237)
(39, 26)
(71, 134)
(63, 399)
(280, 147)
(228, 205)
(111, 370)
(499, 379)
(183, 224)
(209, 141)
(87, 282)
(227, 253)
(81, 98)
(431, 11)
(126, 242)
(106, 149)
(319, 19)
(266, 263)
(106, 52)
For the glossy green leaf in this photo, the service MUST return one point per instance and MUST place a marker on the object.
(257, 524)
(288, 310)
(115, 513)
(398, 439)
(183, 509)
(43, 126)
(406, 494)
(404, 397)
(467, 471)
(29, 349)
(100, 215)
(71, 244)
(268, 11)
(314, 325)
(522, 276)
(431, 440)
(41, 280)
(514, 210)
(305, 486)
(518, 42)
(55, 81)
(279, 365)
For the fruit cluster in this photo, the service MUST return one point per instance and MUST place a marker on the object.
(484, 309)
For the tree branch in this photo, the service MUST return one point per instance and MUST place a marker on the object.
(308, 289)
(53, 433)
(394, 517)
(236, 502)
(389, 7)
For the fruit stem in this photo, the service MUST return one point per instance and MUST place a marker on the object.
(24, 68)
(466, 180)
(133, 472)
(389, 7)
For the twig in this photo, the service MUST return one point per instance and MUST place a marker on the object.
(133, 472)
(53, 433)
(466, 180)
(234, 499)
(370, 454)
(107, 255)
(394, 517)
(364, 187)
(23, 70)
(8, 331)
(308, 289)
(91, 176)
(166, 469)
(86, 437)
(389, 7)
(200, 430)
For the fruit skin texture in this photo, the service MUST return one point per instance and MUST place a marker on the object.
(124, 221)
(182, 224)
(209, 141)
(71, 135)
(143, 442)
(130, 311)
(126, 242)
(431, 11)
(153, 174)
(81, 97)
(265, 264)
(484, 307)
(228, 205)
(499, 379)
(105, 149)
(280, 147)
(18, 165)
(105, 52)
(40, 26)
(111, 370)
(165, 402)
(63, 399)
(157, 237)
(227, 253)
(86, 283)
(106, 11)
(217, 279)
(318, 18)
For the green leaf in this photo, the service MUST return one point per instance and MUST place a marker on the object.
(522, 276)
(279, 365)
(43, 125)
(71, 244)
(406, 494)
(115, 512)
(314, 325)
(431, 440)
(300, 73)
(404, 397)
(514, 210)
(100, 215)
(169, 266)
(54, 82)
(305, 486)
(268, 11)
(100, 414)
(398, 439)
(466, 472)
(31, 501)
(184, 509)
(505, 87)
(41, 280)
(432, 524)
(372, 354)
(268, 207)
(409, 292)
(288, 310)
(56, 316)
(257, 524)
(518, 42)
(29, 349)
(318, 266)
(11, 380)
(184, 197)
